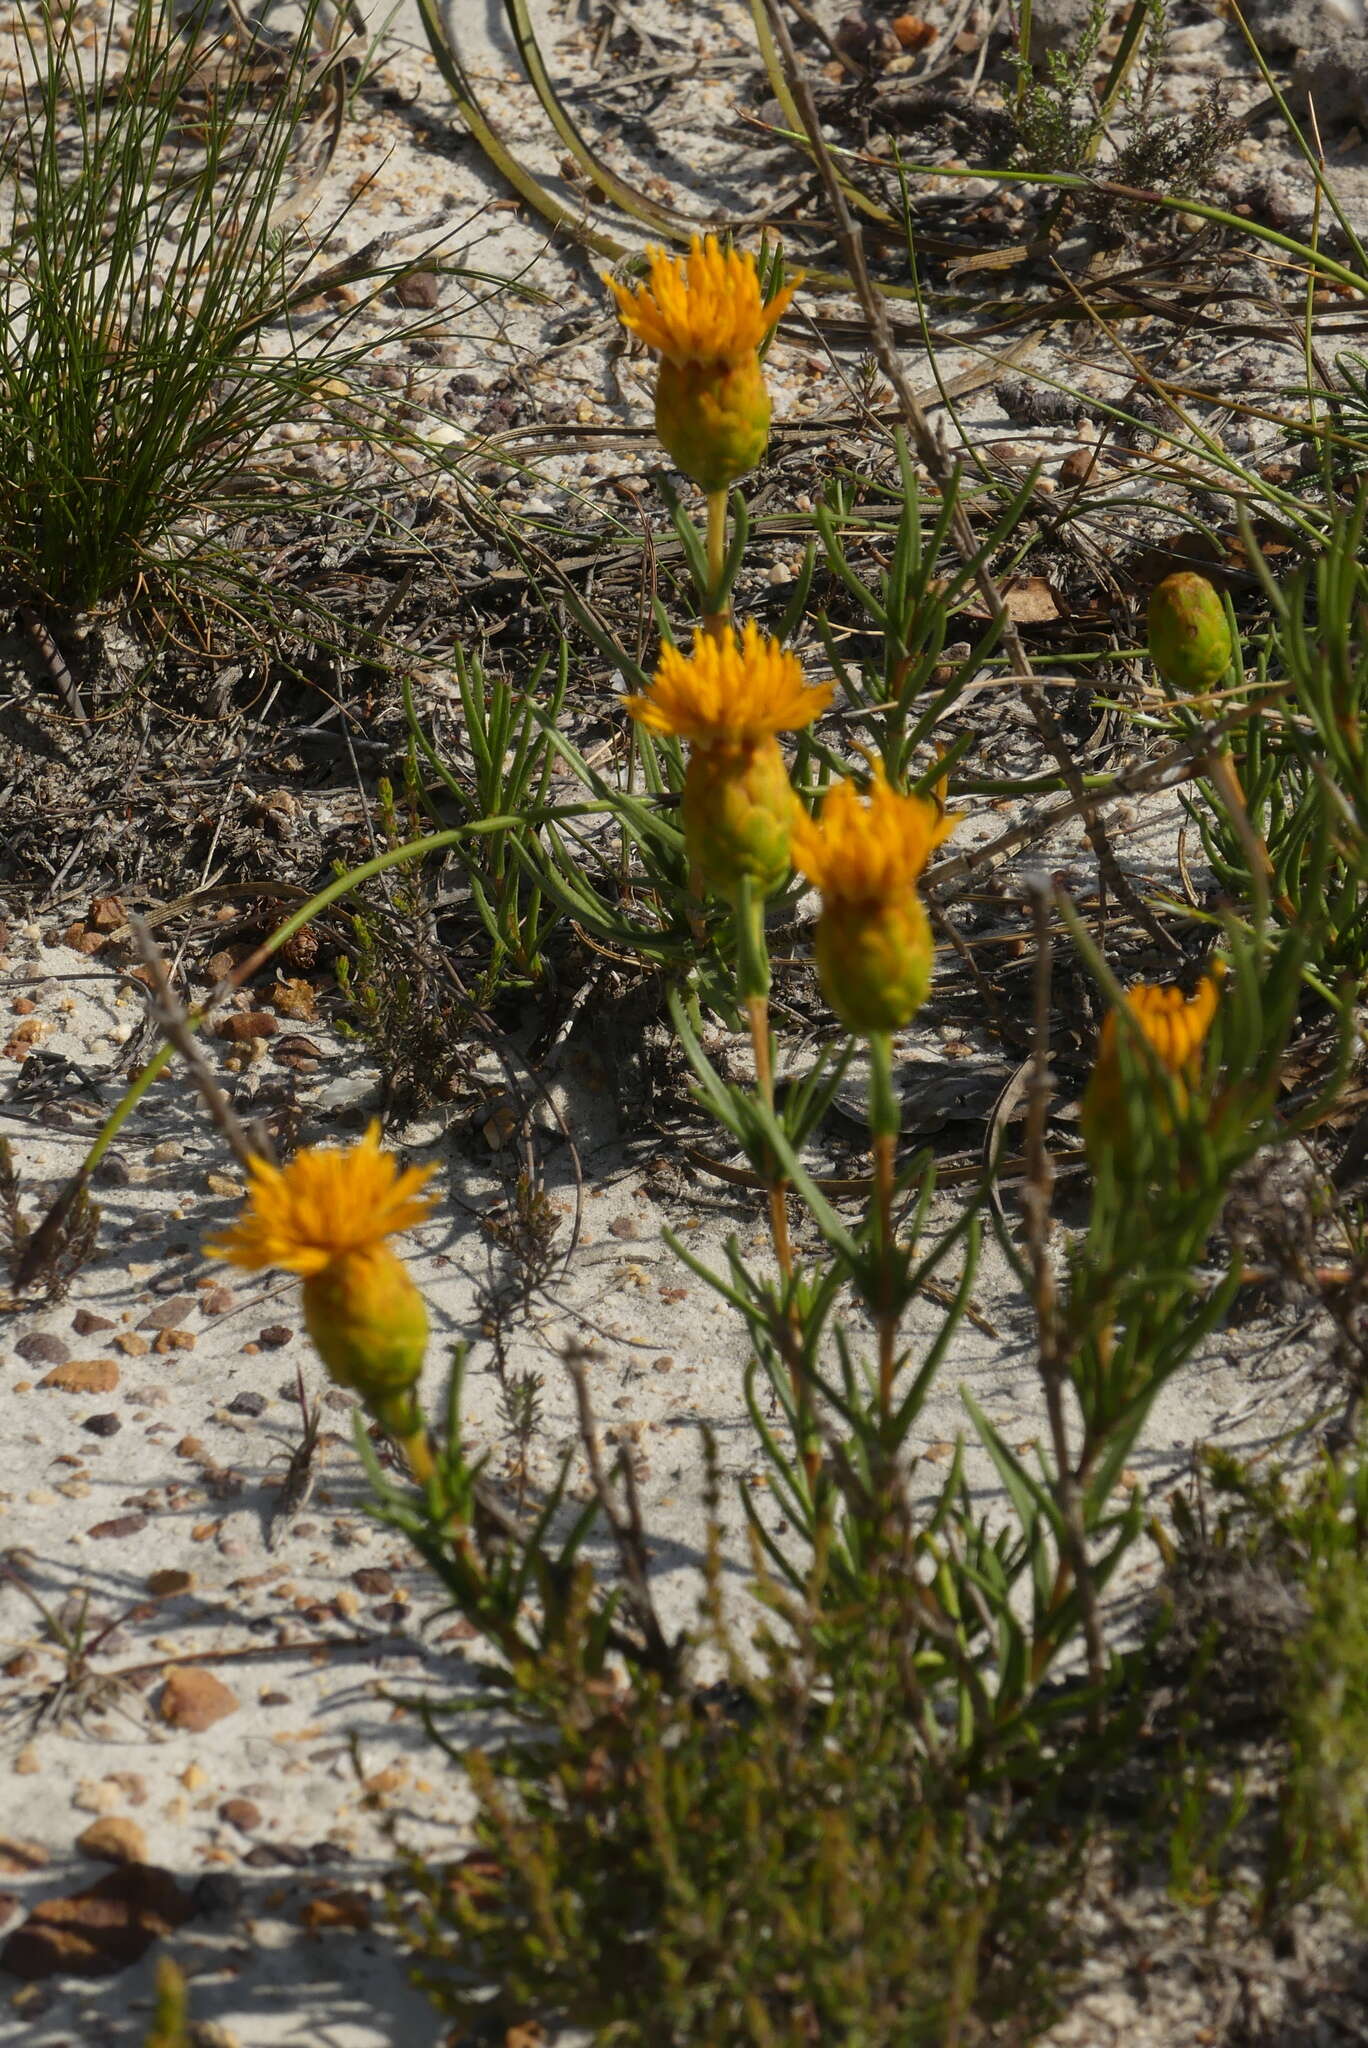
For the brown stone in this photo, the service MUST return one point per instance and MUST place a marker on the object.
(247, 1024)
(113, 1839)
(121, 1526)
(243, 1814)
(167, 1341)
(106, 913)
(168, 1315)
(216, 1301)
(83, 1376)
(274, 1336)
(295, 999)
(194, 1699)
(130, 1344)
(104, 1928)
(373, 1579)
(86, 1323)
(190, 1447)
(420, 290)
(170, 1584)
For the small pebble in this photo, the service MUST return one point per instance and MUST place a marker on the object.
(86, 1323)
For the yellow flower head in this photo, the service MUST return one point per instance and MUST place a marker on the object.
(729, 694)
(706, 309)
(326, 1204)
(705, 319)
(874, 948)
(1174, 1026)
(869, 852)
(326, 1216)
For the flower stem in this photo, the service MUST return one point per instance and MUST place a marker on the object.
(752, 985)
(717, 605)
(884, 1123)
(417, 1449)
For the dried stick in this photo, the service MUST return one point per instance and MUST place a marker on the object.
(171, 1016)
(1052, 1358)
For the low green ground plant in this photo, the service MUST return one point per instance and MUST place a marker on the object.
(160, 249)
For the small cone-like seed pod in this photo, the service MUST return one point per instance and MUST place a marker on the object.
(1189, 634)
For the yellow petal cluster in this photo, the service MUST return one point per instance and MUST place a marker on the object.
(729, 693)
(706, 309)
(327, 1216)
(327, 1202)
(874, 948)
(1175, 1026)
(871, 852)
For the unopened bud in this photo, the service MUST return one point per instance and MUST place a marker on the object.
(1189, 633)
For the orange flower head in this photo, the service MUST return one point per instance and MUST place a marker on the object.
(327, 1216)
(858, 852)
(705, 309)
(729, 699)
(730, 693)
(705, 319)
(328, 1202)
(874, 948)
(1174, 1026)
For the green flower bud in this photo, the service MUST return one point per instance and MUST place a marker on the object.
(1189, 633)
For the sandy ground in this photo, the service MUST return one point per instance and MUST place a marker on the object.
(143, 1420)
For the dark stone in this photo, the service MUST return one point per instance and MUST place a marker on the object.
(85, 1322)
(40, 1348)
(217, 1891)
(271, 1855)
(168, 1315)
(107, 1424)
(373, 1579)
(247, 1403)
(101, 1929)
